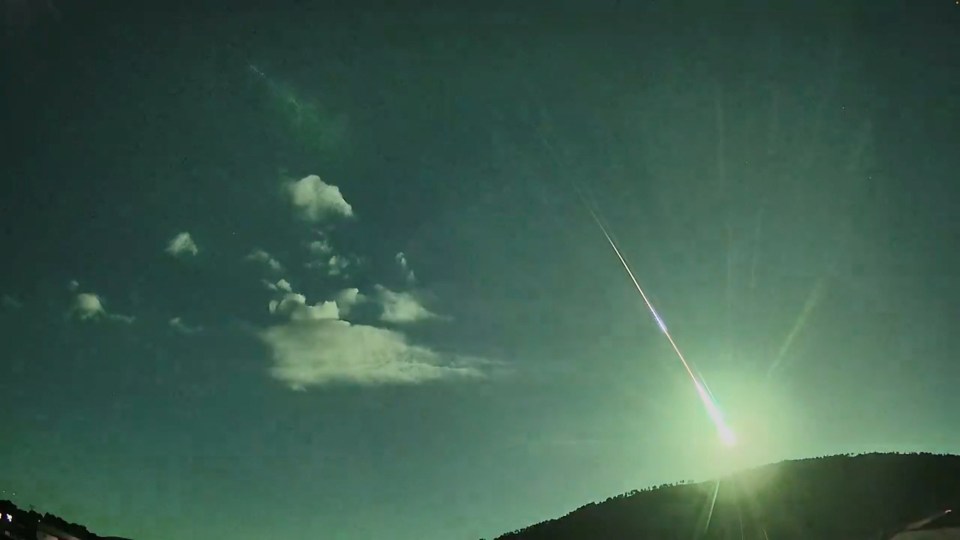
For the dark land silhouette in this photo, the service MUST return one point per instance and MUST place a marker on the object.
(868, 497)
(19, 524)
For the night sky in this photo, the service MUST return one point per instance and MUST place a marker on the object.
(311, 271)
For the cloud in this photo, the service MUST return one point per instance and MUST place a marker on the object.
(405, 268)
(401, 307)
(177, 324)
(347, 298)
(261, 256)
(312, 345)
(324, 351)
(294, 305)
(315, 347)
(280, 285)
(182, 244)
(315, 200)
(335, 265)
(320, 247)
(9, 302)
(325, 258)
(88, 307)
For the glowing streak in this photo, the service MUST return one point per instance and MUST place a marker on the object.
(713, 503)
(713, 411)
(812, 300)
(660, 323)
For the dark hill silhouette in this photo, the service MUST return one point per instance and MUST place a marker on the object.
(18, 524)
(864, 497)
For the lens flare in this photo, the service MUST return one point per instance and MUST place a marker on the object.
(726, 435)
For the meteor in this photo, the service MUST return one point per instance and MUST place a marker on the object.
(710, 405)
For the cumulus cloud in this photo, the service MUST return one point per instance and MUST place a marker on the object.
(315, 200)
(261, 256)
(325, 258)
(405, 268)
(294, 305)
(280, 285)
(318, 352)
(321, 247)
(346, 299)
(88, 306)
(335, 265)
(401, 307)
(177, 324)
(182, 244)
(314, 347)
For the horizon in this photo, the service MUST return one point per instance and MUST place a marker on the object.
(728, 476)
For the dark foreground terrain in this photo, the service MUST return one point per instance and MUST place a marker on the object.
(866, 497)
(19, 524)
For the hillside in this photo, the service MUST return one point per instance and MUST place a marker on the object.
(863, 497)
(19, 524)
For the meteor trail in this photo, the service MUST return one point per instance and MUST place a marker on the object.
(713, 411)
(726, 434)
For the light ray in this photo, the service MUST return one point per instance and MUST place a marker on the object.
(813, 298)
(713, 503)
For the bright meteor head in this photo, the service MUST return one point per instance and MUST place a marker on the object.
(727, 437)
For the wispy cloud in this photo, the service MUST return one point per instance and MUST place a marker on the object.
(401, 307)
(321, 247)
(324, 351)
(88, 307)
(9, 302)
(405, 268)
(177, 324)
(261, 256)
(315, 200)
(181, 245)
